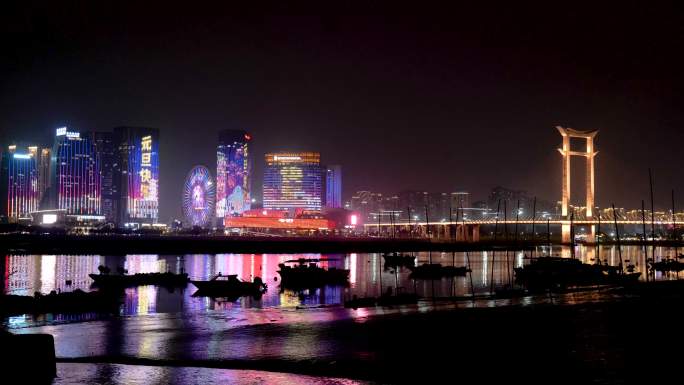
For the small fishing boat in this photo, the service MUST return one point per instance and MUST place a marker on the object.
(167, 279)
(230, 286)
(399, 260)
(305, 273)
(437, 271)
(76, 301)
(557, 273)
(667, 265)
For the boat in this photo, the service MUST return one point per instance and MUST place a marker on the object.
(557, 273)
(399, 260)
(76, 301)
(437, 271)
(167, 279)
(667, 265)
(230, 286)
(305, 273)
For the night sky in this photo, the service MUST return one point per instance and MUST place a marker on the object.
(429, 98)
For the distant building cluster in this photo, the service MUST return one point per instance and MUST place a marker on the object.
(99, 178)
(411, 205)
(422, 206)
(298, 190)
(102, 177)
(299, 194)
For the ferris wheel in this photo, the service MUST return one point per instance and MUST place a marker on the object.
(199, 196)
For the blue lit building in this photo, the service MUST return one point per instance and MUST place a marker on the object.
(333, 186)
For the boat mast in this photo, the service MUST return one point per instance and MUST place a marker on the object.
(517, 217)
(508, 270)
(496, 231)
(548, 234)
(674, 231)
(598, 239)
(472, 286)
(427, 222)
(643, 225)
(408, 211)
(617, 235)
(534, 218)
(650, 182)
(572, 234)
(378, 223)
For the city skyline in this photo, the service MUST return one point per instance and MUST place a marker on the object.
(401, 100)
(106, 141)
(277, 192)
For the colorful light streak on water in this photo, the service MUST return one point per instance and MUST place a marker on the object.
(26, 274)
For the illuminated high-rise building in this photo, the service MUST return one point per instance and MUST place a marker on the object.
(44, 173)
(333, 186)
(19, 182)
(233, 173)
(136, 175)
(104, 143)
(76, 179)
(460, 199)
(292, 180)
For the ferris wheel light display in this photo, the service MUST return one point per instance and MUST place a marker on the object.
(199, 196)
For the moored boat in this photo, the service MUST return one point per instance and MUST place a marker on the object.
(230, 286)
(667, 265)
(307, 274)
(437, 271)
(399, 260)
(557, 273)
(76, 301)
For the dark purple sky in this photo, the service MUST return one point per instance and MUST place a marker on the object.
(427, 98)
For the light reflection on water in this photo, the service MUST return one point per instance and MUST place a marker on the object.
(114, 374)
(25, 274)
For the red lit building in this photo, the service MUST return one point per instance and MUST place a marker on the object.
(277, 219)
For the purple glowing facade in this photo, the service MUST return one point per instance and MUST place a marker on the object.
(233, 173)
(137, 175)
(76, 177)
(199, 195)
(20, 190)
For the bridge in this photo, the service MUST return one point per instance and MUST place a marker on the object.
(469, 229)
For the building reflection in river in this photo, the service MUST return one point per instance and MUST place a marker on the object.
(26, 274)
